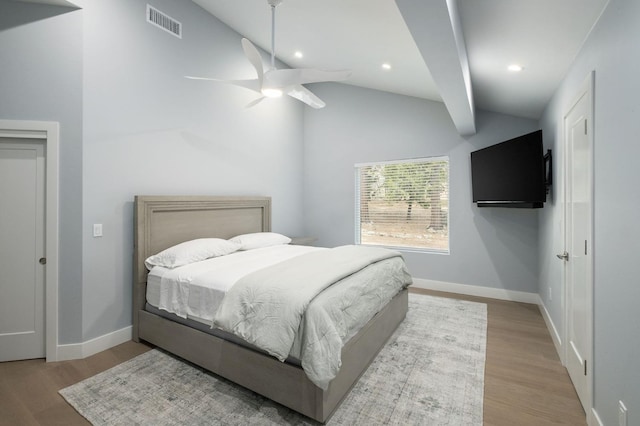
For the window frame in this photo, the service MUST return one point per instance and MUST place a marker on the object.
(358, 230)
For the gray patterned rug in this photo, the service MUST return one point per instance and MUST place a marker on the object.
(431, 372)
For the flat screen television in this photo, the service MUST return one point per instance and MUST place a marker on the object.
(511, 173)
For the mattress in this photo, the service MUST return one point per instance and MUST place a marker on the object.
(195, 291)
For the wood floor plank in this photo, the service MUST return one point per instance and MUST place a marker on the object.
(525, 384)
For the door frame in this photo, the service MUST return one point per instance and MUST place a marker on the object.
(587, 88)
(49, 133)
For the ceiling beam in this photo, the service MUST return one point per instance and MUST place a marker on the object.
(64, 3)
(436, 29)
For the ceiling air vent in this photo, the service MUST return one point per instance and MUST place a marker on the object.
(163, 21)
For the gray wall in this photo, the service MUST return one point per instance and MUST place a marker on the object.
(613, 51)
(148, 130)
(488, 247)
(131, 124)
(41, 79)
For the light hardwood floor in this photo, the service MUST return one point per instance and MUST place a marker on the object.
(525, 384)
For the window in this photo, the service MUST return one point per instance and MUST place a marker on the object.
(404, 204)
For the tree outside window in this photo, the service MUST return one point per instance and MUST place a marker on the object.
(404, 204)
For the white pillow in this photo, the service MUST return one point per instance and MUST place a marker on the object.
(260, 239)
(191, 251)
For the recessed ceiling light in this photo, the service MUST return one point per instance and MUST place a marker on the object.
(298, 54)
(386, 66)
(515, 68)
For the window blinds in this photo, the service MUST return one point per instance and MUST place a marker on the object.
(403, 203)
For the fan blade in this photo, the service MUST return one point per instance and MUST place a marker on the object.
(254, 57)
(303, 94)
(291, 77)
(255, 102)
(254, 84)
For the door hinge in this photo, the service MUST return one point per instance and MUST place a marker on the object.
(585, 367)
(585, 126)
(585, 247)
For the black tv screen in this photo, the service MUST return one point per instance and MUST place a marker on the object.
(510, 174)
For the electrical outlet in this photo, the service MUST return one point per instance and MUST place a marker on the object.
(97, 230)
(622, 414)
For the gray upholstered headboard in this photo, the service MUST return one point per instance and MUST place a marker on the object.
(163, 221)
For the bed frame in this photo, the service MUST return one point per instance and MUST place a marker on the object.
(163, 221)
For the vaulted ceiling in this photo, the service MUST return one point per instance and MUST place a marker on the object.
(454, 51)
(443, 50)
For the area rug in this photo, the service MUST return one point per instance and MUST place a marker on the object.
(431, 372)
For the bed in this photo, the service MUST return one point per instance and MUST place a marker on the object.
(164, 221)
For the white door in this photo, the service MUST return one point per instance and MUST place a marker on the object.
(578, 238)
(22, 219)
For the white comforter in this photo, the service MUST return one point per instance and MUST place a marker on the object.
(266, 308)
(331, 318)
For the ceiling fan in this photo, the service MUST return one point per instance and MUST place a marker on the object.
(273, 82)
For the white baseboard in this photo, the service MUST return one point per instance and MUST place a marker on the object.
(93, 346)
(473, 290)
(553, 331)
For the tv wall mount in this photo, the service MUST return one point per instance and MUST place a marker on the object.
(548, 166)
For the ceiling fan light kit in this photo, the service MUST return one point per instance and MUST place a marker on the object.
(273, 83)
(271, 93)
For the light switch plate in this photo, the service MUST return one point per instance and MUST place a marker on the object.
(97, 230)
